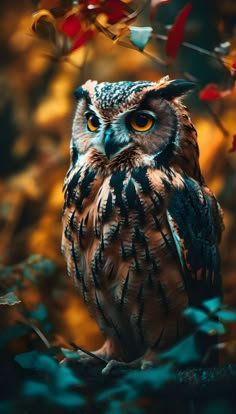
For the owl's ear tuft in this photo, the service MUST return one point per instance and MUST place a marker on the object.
(175, 88)
(86, 90)
(80, 93)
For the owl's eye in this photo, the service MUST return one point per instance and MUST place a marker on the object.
(92, 121)
(141, 121)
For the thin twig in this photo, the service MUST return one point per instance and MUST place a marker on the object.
(217, 121)
(78, 348)
(198, 49)
(37, 331)
(188, 45)
(40, 334)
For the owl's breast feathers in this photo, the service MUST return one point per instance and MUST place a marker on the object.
(140, 244)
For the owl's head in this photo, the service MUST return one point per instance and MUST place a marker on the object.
(114, 117)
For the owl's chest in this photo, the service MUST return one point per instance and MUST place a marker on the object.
(117, 225)
(119, 250)
(116, 207)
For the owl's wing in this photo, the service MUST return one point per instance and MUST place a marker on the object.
(196, 224)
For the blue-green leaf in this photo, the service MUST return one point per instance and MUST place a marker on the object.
(119, 407)
(151, 379)
(184, 352)
(194, 315)
(212, 328)
(35, 389)
(139, 36)
(212, 305)
(39, 313)
(68, 399)
(69, 354)
(27, 273)
(46, 363)
(226, 315)
(27, 359)
(115, 407)
(9, 299)
(40, 264)
(35, 360)
(66, 378)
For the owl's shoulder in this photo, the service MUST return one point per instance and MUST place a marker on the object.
(195, 222)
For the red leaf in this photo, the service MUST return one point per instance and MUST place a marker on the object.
(153, 7)
(233, 69)
(115, 10)
(211, 91)
(83, 39)
(71, 26)
(176, 32)
(233, 148)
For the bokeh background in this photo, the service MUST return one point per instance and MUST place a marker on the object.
(36, 112)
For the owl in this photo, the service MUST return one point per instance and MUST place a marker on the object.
(140, 227)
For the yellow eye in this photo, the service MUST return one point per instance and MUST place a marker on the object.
(141, 121)
(92, 122)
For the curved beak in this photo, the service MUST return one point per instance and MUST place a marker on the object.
(111, 146)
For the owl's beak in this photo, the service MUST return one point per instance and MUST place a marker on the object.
(111, 146)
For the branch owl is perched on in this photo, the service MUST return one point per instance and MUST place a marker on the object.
(140, 227)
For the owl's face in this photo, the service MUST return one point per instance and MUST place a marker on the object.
(111, 117)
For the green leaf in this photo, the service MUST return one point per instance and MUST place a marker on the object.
(69, 354)
(9, 299)
(195, 316)
(35, 389)
(212, 305)
(212, 328)
(40, 264)
(151, 379)
(39, 313)
(27, 273)
(139, 36)
(35, 360)
(50, 393)
(66, 378)
(226, 315)
(119, 407)
(27, 359)
(69, 399)
(115, 407)
(46, 363)
(184, 352)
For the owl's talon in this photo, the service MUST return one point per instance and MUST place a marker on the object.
(146, 365)
(137, 364)
(110, 365)
(114, 364)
